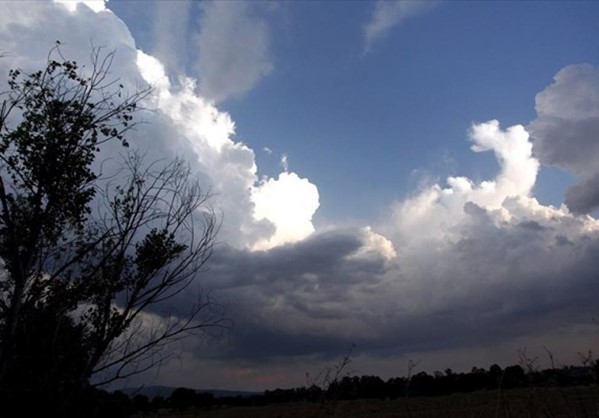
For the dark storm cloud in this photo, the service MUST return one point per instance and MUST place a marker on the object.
(279, 298)
(496, 283)
(572, 145)
(325, 255)
(566, 131)
(583, 197)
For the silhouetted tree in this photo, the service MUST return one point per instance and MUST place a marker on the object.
(495, 377)
(85, 259)
(371, 387)
(395, 387)
(514, 377)
(421, 384)
(182, 398)
(204, 400)
(141, 403)
(48, 361)
(157, 402)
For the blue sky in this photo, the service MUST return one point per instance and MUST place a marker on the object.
(418, 178)
(364, 126)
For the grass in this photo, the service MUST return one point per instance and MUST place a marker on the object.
(576, 402)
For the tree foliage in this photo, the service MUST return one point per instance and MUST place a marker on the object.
(437, 384)
(90, 263)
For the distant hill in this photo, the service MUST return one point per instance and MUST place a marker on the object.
(165, 391)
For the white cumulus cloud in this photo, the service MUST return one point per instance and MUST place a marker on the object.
(435, 211)
(95, 5)
(289, 203)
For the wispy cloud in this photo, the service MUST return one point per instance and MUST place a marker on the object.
(233, 43)
(171, 32)
(284, 163)
(388, 14)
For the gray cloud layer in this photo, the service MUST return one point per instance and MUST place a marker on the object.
(566, 131)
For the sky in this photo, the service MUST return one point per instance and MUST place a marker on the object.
(417, 178)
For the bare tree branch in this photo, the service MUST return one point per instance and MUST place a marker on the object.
(95, 269)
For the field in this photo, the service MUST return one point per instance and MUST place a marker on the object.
(578, 402)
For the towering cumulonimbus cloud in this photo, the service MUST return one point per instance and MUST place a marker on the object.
(457, 264)
(184, 123)
(286, 204)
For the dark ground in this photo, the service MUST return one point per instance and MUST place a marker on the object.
(573, 402)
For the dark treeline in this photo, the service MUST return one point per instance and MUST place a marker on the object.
(118, 404)
(438, 384)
